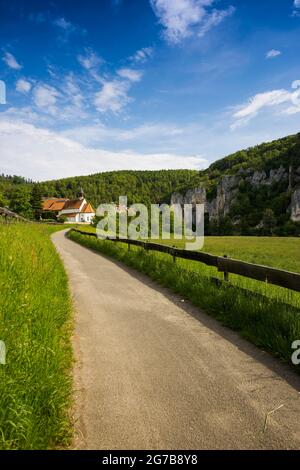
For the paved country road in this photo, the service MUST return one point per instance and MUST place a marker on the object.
(153, 372)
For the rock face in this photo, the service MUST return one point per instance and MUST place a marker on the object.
(228, 189)
(193, 196)
(295, 206)
(260, 177)
(218, 207)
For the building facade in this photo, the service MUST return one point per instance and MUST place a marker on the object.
(77, 211)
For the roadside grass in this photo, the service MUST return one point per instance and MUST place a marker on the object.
(264, 320)
(36, 326)
(276, 252)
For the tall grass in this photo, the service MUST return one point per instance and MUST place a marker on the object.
(263, 320)
(276, 252)
(35, 312)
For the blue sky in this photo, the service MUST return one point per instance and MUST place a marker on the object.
(143, 84)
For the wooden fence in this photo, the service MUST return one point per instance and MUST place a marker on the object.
(9, 215)
(226, 265)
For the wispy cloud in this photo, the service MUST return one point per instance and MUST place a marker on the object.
(113, 96)
(270, 99)
(142, 55)
(130, 74)
(64, 26)
(45, 98)
(296, 11)
(183, 18)
(273, 53)
(214, 19)
(23, 86)
(11, 61)
(67, 28)
(89, 60)
(98, 133)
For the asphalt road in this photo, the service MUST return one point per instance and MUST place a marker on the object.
(153, 372)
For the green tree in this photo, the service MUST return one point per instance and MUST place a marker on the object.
(36, 201)
(3, 200)
(20, 201)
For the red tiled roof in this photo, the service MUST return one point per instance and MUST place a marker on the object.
(54, 204)
(73, 204)
(88, 209)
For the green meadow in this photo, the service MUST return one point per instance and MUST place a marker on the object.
(276, 252)
(35, 323)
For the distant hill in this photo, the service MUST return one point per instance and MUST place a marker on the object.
(240, 187)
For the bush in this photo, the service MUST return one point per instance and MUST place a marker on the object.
(62, 219)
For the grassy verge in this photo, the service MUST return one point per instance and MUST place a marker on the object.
(263, 320)
(276, 252)
(35, 323)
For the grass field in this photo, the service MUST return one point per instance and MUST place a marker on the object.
(35, 323)
(276, 252)
(256, 312)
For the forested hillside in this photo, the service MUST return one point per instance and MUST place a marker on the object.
(265, 177)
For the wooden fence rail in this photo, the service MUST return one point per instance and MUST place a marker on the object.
(278, 277)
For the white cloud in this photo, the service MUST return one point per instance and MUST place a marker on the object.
(90, 60)
(273, 53)
(142, 55)
(45, 98)
(23, 86)
(66, 28)
(43, 154)
(97, 134)
(11, 61)
(296, 83)
(182, 18)
(214, 19)
(296, 12)
(130, 74)
(269, 99)
(64, 24)
(112, 97)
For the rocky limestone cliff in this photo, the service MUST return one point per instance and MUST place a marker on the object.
(228, 188)
(295, 206)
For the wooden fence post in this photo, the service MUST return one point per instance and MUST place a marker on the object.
(226, 274)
